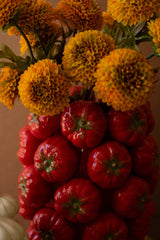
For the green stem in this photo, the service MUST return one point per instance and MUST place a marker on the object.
(142, 38)
(26, 39)
(40, 41)
(150, 56)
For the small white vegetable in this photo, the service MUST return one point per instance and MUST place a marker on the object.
(8, 206)
(11, 230)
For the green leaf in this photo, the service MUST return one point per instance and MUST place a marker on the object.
(138, 28)
(7, 64)
(2, 55)
(8, 53)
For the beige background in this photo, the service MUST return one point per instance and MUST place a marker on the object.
(12, 120)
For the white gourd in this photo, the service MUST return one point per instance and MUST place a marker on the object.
(8, 206)
(11, 230)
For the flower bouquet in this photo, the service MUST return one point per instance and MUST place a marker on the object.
(90, 164)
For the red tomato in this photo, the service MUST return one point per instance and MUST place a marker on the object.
(145, 157)
(84, 123)
(109, 165)
(51, 226)
(43, 127)
(32, 187)
(78, 200)
(56, 159)
(128, 127)
(25, 210)
(28, 146)
(78, 92)
(33, 234)
(151, 122)
(139, 226)
(131, 199)
(75, 92)
(107, 226)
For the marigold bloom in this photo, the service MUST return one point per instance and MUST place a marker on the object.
(133, 11)
(51, 33)
(108, 21)
(81, 14)
(125, 79)
(9, 79)
(35, 17)
(8, 9)
(82, 54)
(154, 32)
(43, 89)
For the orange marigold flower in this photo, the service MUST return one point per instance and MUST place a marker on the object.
(9, 79)
(108, 21)
(81, 14)
(51, 33)
(43, 89)
(154, 32)
(82, 54)
(8, 9)
(125, 79)
(133, 11)
(36, 17)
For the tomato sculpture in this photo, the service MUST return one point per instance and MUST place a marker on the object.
(89, 172)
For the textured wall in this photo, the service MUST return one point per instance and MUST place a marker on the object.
(12, 120)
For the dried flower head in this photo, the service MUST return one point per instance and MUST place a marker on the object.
(9, 79)
(9, 9)
(43, 89)
(82, 54)
(133, 11)
(125, 79)
(36, 17)
(154, 32)
(80, 14)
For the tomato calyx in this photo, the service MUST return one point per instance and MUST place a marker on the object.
(48, 163)
(110, 236)
(143, 199)
(74, 204)
(136, 123)
(22, 185)
(113, 165)
(81, 123)
(34, 118)
(47, 235)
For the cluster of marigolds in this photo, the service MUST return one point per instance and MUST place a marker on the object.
(90, 164)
